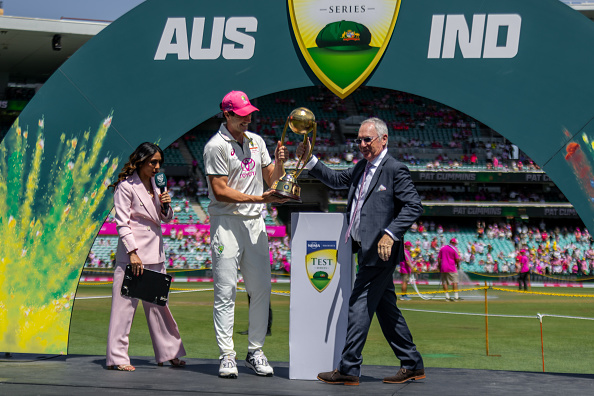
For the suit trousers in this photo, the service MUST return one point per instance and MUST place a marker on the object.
(374, 293)
(163, 329)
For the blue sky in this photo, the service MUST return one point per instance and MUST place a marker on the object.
(108, 10)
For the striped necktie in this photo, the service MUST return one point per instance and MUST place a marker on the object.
(357, 209)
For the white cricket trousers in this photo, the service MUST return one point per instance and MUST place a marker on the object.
(240, 242)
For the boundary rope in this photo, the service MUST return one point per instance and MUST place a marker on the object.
(567, 280)
(537, 316)
(174, 291)
(482, 274)
(543, 294)
(169, 271)
(492, 276)
(286, 292)
(564, 316)
(459, 290)
(468, 313)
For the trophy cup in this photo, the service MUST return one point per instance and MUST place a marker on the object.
(301, 121)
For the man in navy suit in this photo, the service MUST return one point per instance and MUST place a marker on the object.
(382, 204)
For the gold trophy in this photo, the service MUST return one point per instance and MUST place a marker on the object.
(301, 121)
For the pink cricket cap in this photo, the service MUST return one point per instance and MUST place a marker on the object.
(453, 240)
(407, 243)
(237, 102)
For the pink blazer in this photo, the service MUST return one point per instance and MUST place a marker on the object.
(138, 220)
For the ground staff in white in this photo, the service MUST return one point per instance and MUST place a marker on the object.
(237, 163)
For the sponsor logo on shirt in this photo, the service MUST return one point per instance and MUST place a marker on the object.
(247, 166)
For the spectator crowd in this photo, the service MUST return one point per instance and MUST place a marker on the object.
(495, 247)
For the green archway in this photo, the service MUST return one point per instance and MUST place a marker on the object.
(519, 66)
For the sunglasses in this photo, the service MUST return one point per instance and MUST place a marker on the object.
(367, 140)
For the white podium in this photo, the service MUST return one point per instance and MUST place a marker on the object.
(321, 273)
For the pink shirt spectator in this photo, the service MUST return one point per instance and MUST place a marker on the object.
(405, 266)
(525, 265)
(448, 255)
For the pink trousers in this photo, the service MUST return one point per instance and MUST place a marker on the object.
(163, 329)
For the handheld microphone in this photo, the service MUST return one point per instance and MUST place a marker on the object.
(161, 182)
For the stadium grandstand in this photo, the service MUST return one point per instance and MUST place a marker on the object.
(475, 185)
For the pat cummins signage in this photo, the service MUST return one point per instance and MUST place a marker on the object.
(479, 177)
(437, 209)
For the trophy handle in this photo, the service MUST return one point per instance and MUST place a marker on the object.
(311, 146)
(283, 139)
(284, 132)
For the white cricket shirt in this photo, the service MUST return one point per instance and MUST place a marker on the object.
(242, 164)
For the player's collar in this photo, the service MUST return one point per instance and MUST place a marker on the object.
(226, 135)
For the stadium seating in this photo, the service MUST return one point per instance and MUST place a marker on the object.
(416, 126)
(185, 214)
(196, 258)
(173, 157)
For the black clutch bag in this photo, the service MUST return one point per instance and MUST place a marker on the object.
(151, 286)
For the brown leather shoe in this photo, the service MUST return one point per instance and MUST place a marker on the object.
(404, 375)
(334, 377)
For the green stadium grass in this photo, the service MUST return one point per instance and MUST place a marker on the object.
(444, 340)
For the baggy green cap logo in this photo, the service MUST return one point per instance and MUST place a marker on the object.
(320, 262)
(343, 43)
(344, 36)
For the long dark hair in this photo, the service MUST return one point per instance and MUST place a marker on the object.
(143, 153)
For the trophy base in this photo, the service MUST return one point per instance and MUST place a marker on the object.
(285, 195)
(286, 187)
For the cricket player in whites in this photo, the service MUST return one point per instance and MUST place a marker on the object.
(237, 164)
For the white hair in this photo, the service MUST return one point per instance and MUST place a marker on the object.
(380, 126)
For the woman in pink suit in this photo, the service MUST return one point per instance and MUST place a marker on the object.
(140, 208)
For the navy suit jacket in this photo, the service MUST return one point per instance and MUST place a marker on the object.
(391, 203)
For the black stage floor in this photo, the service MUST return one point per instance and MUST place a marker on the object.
(87, 375)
